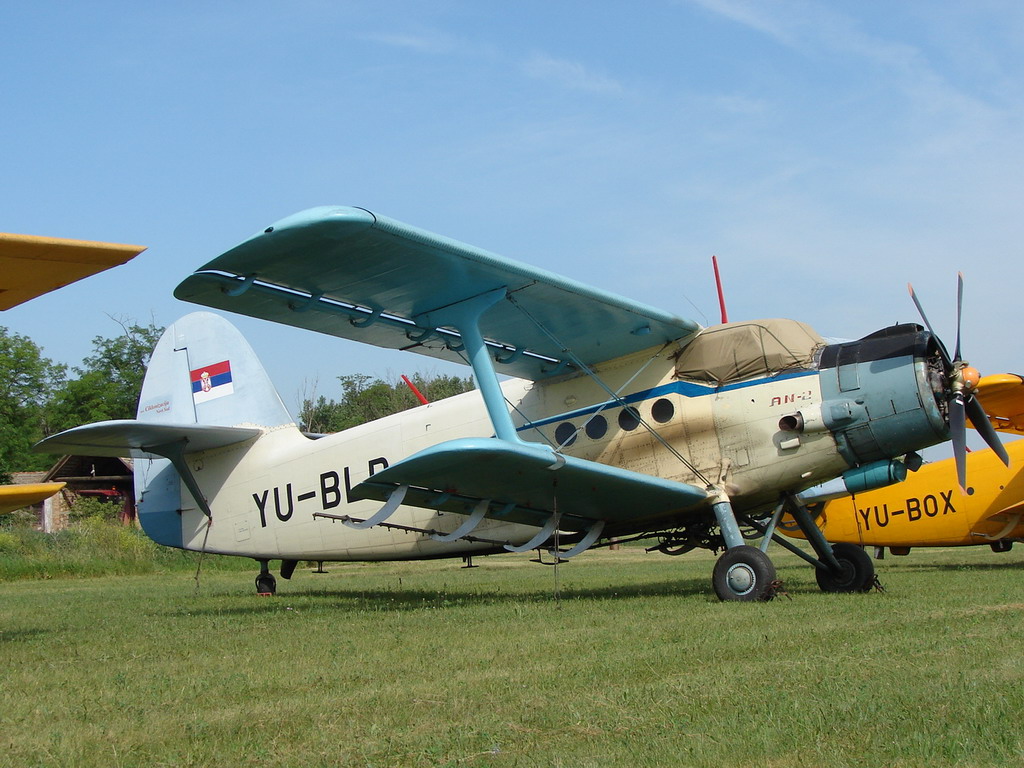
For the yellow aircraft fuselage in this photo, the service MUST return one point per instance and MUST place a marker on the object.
(929, 509)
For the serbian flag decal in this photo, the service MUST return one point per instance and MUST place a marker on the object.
(211, 382)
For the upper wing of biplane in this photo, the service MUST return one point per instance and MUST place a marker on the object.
(31, 266)
(1002, 397)
(350, 273)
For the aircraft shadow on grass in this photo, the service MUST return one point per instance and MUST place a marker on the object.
(22, 635)
(412, 599)
(946, 567)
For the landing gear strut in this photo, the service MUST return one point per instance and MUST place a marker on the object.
(840, 567)
(743, 572)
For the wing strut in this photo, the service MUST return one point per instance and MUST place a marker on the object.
(464, 316)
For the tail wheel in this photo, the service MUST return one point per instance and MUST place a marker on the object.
(744, 573)
(856, 571)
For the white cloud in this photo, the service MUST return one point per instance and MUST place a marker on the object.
(755, 16)
(569, 74)
(427, 43)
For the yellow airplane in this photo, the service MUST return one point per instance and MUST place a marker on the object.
(29, 267)
(929, 509)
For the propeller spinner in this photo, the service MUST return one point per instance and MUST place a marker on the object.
(963, 405)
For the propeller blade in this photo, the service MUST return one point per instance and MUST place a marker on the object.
(979, 420)
(920, 309)
(959, 305)
(958, 434)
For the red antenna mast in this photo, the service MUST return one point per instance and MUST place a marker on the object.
(415, 391)
(721, 295)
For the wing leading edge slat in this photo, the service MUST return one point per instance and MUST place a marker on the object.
(349, 273)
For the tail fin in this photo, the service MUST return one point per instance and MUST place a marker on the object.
(203, 371)
(204, 389)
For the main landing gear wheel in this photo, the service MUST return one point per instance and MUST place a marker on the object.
(266, 584)
(744, 573)
(857, 572)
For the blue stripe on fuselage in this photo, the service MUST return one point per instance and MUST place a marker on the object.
(684, 388)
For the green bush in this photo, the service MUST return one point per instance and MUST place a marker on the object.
(95, 546)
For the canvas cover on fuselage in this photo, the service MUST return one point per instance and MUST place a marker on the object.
(737, 351)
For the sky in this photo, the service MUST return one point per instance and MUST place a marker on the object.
(829, 153)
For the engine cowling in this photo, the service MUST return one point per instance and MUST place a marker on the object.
(882, 396)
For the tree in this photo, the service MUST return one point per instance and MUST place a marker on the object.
(109, 380)
(364, 398)
(27, 380)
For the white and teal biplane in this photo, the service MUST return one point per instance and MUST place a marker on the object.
(597, 419)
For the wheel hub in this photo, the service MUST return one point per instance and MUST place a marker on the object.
(741, 578)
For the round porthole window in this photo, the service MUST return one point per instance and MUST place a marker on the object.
(565, 434)
(596, 427)
(662, 411)
(629, 419)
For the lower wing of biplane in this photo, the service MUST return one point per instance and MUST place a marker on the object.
(523, 483)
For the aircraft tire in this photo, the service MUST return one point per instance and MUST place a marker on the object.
(266, 584)
(744, 573)
(858, 574)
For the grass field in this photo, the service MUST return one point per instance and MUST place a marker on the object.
(426, 664)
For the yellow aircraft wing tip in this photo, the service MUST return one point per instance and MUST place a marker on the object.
(31, 265)
(82, 251)
(14, 497)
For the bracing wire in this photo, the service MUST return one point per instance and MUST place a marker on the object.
(586, 369)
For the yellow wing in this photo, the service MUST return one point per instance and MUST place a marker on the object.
(31, 266)
(1002, 397)
(14, 497)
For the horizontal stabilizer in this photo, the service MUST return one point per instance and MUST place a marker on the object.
(529, 483)
(142, 438)
(351, 273)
